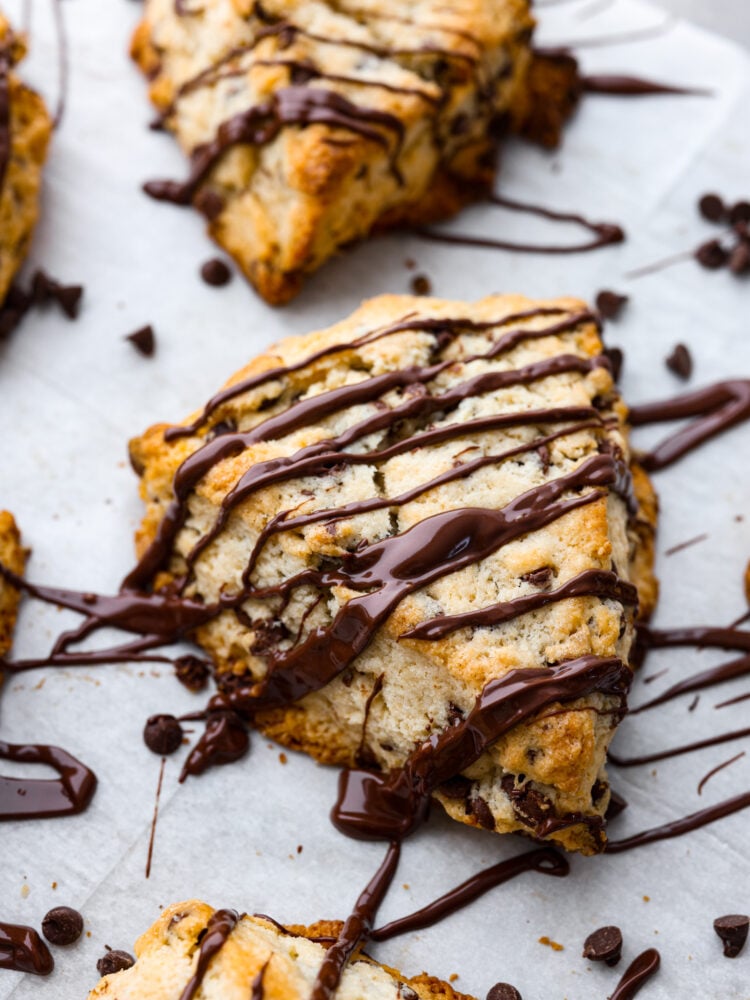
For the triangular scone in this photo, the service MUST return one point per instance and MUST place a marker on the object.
(25, 128)
(420, 432)
(287, 958)
(310, 123)
(13, 555)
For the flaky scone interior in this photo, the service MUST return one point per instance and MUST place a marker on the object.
(25, 129)
(309, 124)
(389, 516)
(283, 961)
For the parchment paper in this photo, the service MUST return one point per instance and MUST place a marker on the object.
(72, 393)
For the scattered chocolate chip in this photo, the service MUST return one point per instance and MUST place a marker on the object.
(610, 304)
(711, 255)
(732, 930)
(739, 259)
(216, 273)
(740, 212)
(482, 813)
(421, 284)
(680, 362)
(503, 991)
(616, 359)
(162, 734)
(143, 340)
(712, 208)
(192, 672)
(63, 925)
(604, 945)
(45, 289)
(114, 961)
(617, 804)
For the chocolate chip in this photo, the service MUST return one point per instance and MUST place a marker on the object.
(604, 945)
(503, 991)
(63, 925)
(482, 813)
(143, 340)
(539, 577)
(680, 362)
(616, 359)
(456, 788)
(610, 304)
(421, 284)
(45, 289)
(114, 961)
(216, 273)
(740, 212)
(712, 208)
(192, 672)
(739, 259)
(162, 734)
(711, 255)
(210, 204)
(732, 930)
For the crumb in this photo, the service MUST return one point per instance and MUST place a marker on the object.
(646, 899)
(452, 977)
(554, 945)
(25, 890)
(54, 885)
(299, 848)
(406, 885)
(283, 758)
(88, 933)
(410, 263)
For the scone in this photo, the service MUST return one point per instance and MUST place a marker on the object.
(378, 522)
(13, 555)
(310, 123)
(25, 128)
(259, 959)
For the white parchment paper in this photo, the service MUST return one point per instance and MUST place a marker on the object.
(72, 393)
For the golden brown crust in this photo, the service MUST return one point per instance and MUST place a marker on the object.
(553, 90)
(167, 955)
(30, 130)
(561, 753)
(449, 76)
(13, 555)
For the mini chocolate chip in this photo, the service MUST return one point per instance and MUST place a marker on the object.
(503, 991)
(739, 259)
(604, 945)
(610, 304)
(162, 734)
(616, 359)
(421, 284)
(63, 925)
(216, 273)
(680, 362)
(45, 289)
(539, 577)
(143, 340)
(740, 212)
(482, 813)
(712, 208)
(711, 255)
(192, 672)
(732, 930)
(114, 961)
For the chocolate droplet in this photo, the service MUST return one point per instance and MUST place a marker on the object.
(143, 340)
(162, 734)
(114, 961)
(610, 304)
(215, 272)
(604, 945)
(732, 930)
(712, 208)
(421, 284)
(63, 925)
(680, 362)
(503, 991)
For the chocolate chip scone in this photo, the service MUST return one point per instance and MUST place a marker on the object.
(250, 957)
(309, 124)
(25, 128)
(13, 555)
(392, 529)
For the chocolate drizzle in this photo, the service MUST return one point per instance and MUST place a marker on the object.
(220, 926)
(22, 950)
(634, 86)
(637, 974)
(651, 758)
(603, 233)
(41, 798)
(681, 826)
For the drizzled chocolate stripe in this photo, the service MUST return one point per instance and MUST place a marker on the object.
(589, 583)
(678, 827)
(41, 798)
(219, 927)
(375, 806)
(651, 758)
(261, 124)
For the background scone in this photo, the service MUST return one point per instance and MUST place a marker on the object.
(336, 513)
(167, 958)
(25, 128)
(13, 555)
(309, 123)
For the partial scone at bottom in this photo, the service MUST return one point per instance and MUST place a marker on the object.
(311, 123)
(13, 555)
(287, 958)
(314, 498)
(25, 129)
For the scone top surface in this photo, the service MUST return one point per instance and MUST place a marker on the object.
(416, 415)
(312, 122)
